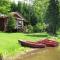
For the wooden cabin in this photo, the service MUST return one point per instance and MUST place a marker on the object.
(20, 21)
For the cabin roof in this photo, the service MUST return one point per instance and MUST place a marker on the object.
(18, 15)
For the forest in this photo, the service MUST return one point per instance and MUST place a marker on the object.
(42, 15)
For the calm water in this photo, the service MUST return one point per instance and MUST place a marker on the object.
(43, 54)
(39, 54)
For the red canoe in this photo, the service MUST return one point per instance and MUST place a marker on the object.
(39, 44)
(31, 44)
(49, 43)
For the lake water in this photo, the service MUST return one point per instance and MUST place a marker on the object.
(43, 54)
(48, 53)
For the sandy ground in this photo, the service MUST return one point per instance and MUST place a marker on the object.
(48, 53)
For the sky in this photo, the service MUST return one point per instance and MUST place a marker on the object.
(26, 1)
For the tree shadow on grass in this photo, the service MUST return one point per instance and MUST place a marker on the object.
(33, 35)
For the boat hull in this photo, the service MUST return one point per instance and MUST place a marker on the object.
(32, 44)
(39, 44)
(49, 43)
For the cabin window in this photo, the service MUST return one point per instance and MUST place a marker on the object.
(20, 22)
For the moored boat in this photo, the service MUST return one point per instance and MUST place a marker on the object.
(49, 43)
(31, 44)
(39, 44)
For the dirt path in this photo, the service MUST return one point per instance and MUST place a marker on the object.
(39, 54)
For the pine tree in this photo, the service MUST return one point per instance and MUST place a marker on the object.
(13, 7)
(52, 16)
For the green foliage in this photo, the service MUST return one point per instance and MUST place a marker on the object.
(40, 7)
(11, 23)
(19, 7)
(35, 29)
(41, 26)
(13, 7)
(52, 16)
(4, 6)
(30, 29)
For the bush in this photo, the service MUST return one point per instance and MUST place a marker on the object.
(40, 27)
(11, 24)
(29, 29)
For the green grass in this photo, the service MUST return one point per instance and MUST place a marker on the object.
(9, 41)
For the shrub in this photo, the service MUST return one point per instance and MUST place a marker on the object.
(40, 27)
(11, 24)
(29, 29)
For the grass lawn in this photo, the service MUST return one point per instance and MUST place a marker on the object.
(9, 41)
